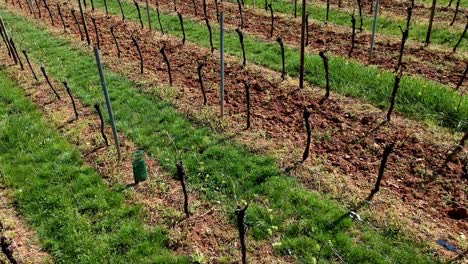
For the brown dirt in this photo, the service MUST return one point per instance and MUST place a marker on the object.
(437, 65)
(397, 8)
(207, 232)
(411, 188)
(24, 240)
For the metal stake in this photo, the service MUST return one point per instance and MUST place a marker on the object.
(221, 50)
(108, 102)
(374, 28)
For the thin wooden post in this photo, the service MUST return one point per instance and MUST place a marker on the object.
(303, 31)
(221, 55)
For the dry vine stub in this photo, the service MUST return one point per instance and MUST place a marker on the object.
(359, 2)
(431, 20)
(65, 83)
(247, 98)
(29, 64)
(353, 35)
(181, 176)
(457, 7)
(139, 13)
(73, 11)
(137, 45)
(101, 119)
(115, 41)
(240, 14)
(50, 12)
(84, 23)
(241, 39)
(462, 78)
(383, 164)
(98, 42)
(396, 86)
(61, 17)
(121, 10)
(16, 53)
(272, 28)
(43, 70)
(207, 22)
(181, 20)
(200, 81)
(159, 19)
(325, 59)
(240, 215)
(283, 67)
(306, 115)
(461, 37)
(405, 34)
(166, 60)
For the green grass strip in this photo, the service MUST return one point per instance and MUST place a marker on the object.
(221, 169)
(442, 34)
(417, 98)
(78, 219)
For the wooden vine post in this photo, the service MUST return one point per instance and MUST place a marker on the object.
(247, 98)
(65, 83)
(207, 22)
(73, 11)
(15, 51)
(166, 60)
(84, 23)
(303, 31)
(38, 9)
(5, 38)
(181, 175)
(44, 73)
(108, 102)
(241, 39)
(61, 17)
(137, 45)
(431, 20)
(388, 150)
(50, 12)
(101, 119)
(283, 67)
(200, 81)
(240, 215)
(306, 115)
(295, 8)
(30, 66)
